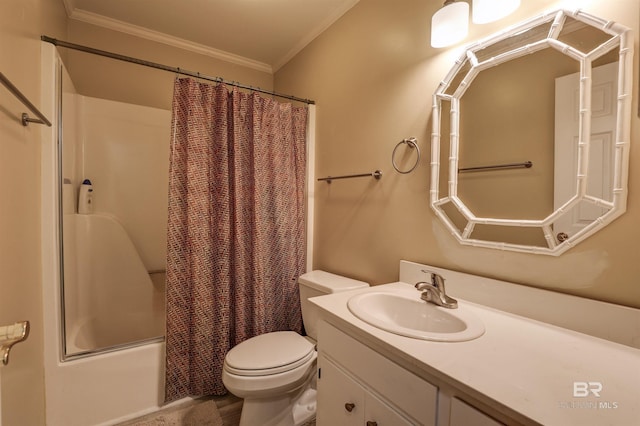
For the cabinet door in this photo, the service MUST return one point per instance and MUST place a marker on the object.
(399, 388)
(377, 413)
(463, 414)
(340, 399)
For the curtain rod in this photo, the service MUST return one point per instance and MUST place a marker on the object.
(155, 65)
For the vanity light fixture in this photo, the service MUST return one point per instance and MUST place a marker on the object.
(450, 24)
(485, 11)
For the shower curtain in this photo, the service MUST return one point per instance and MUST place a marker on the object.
(236, 228)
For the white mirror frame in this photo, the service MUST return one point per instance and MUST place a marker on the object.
(621, 36)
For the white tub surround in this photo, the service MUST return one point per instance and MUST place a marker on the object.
(531, 366)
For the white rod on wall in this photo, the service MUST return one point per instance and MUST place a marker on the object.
(311, 173)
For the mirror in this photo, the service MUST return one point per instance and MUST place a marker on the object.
(531, 132)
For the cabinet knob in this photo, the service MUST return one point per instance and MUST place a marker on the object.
(349, 406)
(370, 423)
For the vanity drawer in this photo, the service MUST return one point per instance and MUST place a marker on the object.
(403, 389)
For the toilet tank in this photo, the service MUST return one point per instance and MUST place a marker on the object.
(318, 283)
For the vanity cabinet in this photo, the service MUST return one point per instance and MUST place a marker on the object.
(358, 386)
(462, 414)
(348, 403)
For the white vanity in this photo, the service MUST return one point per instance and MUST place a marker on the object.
(544, 358)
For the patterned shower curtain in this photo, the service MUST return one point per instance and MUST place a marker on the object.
(236, 228)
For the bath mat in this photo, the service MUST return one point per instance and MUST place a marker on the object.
(194, 413)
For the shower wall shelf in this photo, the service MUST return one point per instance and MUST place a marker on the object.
(22, 98)
(377, 174)
(10, 335)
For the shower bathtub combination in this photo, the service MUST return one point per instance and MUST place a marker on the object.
(104, 346)
(103, 275)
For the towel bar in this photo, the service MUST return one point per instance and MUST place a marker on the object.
(524, 165)
(18, 94)
(377, 174)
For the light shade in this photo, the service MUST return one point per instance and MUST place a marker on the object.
(450, 24)
(485, 11)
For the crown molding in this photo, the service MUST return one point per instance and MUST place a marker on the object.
(346, 6)
(69, 6)
(145, 33)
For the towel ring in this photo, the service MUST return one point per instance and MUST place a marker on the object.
(412, 142)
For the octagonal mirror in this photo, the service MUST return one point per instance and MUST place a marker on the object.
(531, 132)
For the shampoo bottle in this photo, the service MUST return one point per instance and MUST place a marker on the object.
(85, 198)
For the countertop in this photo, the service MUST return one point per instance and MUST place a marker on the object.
(525, 365)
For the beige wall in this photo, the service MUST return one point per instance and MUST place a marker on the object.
(372, 75)
(21, 23)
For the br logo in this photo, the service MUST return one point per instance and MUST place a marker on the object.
(584, 389)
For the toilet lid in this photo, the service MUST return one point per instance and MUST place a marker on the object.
(269, 353)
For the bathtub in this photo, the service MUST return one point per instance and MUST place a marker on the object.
(98, 333)
(110, 298)
(112, 368)
(113, 363)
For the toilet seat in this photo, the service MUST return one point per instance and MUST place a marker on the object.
(268, 354)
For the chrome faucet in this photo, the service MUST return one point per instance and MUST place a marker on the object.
(434, 292)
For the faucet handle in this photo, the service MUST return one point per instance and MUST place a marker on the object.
(437, 280)
(437, 283)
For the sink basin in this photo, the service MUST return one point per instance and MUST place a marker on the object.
(413, 317)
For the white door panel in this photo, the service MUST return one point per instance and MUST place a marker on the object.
(602, 144)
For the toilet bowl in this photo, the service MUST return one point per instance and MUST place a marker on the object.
(275, 372)
(272, 372)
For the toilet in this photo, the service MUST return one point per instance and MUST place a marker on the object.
(275, 372)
